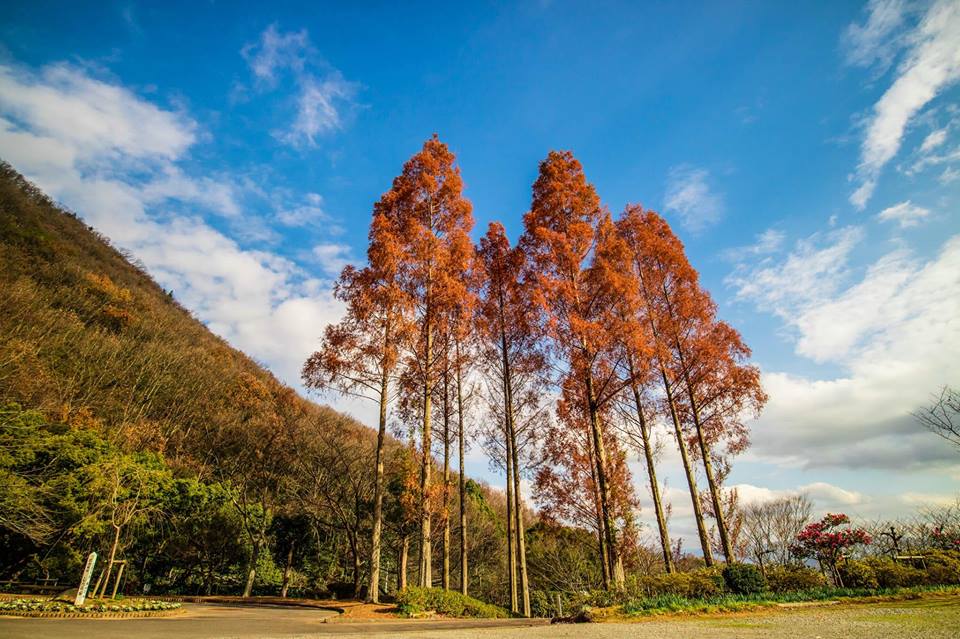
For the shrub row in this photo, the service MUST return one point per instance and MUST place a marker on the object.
(414, 601)
(942, 568)
(711, 587)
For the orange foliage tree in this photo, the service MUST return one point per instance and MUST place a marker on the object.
(432, 221)
(359, 355)
(564, 228)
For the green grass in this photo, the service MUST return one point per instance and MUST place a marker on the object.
(674, 604)
(417, 602)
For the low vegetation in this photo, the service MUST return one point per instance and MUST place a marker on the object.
(737, 587)
(90, 607)
(417, 602)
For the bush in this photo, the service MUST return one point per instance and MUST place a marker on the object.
(744, 579)
(890, 574)
(857, 574)
(943, 567)
(793, 578)
(697, 584)
(413, 602)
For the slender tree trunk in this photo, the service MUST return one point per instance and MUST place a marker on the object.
(402, 563)
(519, 528)
(252, 571)
(286, 570)
(110, 562)
(355, 557)
(681, 444)
(445, 577)
(654, 484)
(688, 469)
(373, 591)
(704, 451)
(601, 532)
(613, 555)
(461, 441)
(426, 554)
(511, 522)
(715, 496)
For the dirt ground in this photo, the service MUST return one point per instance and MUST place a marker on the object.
(935, 617)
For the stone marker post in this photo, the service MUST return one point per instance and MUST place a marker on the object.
(85, 580)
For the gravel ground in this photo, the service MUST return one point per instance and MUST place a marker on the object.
(933, 618)
(928, 618)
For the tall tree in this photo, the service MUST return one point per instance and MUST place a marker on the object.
(704, 355)
(514, 363)
(643, 233)
(561, 231)
(358, 356)
(433, 222)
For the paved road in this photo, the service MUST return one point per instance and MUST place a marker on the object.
(935, 618)
(202, 621)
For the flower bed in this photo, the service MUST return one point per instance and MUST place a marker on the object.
(44, 608)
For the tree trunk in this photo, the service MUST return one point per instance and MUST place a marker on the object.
(461, 440)
(252, 568)
(110, 562)
(708, 467)
(511, 522)
(654, 485)
(355, 556)
(286, 570)
(613, 555)
(601, 533)
(373, 590)
(445, 575)
(426, 554)
(519, 528)
(691, 479)
(681, 444)
(402, 563)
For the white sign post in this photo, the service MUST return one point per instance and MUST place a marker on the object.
(85, 580)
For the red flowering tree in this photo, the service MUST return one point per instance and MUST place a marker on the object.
(826, 541)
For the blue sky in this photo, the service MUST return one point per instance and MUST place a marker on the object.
(809, 157)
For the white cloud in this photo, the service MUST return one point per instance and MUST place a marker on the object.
(318, 111)
(115, 161)
(323, 97)
(332, 257)
(88, 117)
(689, 196)
(930, 65)
(309, 212)
(810, 272)
(824, 495)
(932, 141)
(905, 214)
(766, 243)
(276, 52)
(893, 335)
(869, 44)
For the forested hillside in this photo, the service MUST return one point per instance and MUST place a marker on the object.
(129, 428)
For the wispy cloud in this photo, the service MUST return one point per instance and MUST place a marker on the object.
(766, 243)
(869, 43)
(690, 197)
(324, 98)
(930, 64)
(905, 214)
